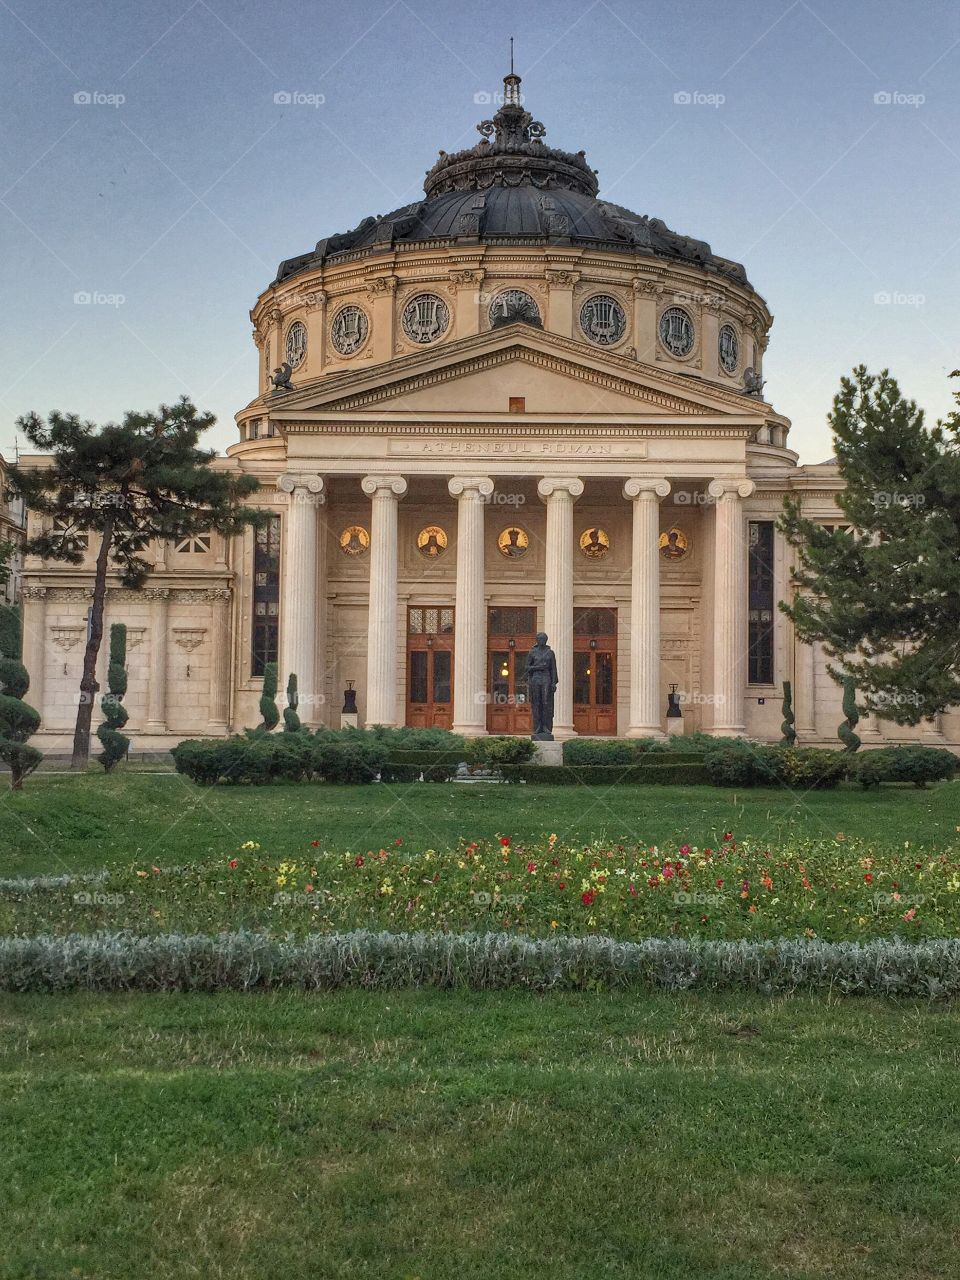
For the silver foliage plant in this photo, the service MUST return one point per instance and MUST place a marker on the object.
(247, 961)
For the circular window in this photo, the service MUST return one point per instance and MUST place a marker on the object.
(676, 331)
(603, 320)
(728, 348)
(295, 347)
(349, 330)
(425, 318)
(514, 306)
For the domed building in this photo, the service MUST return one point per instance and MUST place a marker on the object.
(511, 406)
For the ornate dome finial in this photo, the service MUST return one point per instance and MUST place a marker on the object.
(511, 84)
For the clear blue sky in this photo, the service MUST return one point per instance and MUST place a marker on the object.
(184, 198)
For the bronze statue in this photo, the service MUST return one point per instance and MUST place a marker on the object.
(541, 677)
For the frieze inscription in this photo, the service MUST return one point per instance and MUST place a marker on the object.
(521, 448)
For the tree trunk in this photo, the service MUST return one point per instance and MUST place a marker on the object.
(88, 681)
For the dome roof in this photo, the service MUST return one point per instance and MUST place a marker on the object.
(511, 188)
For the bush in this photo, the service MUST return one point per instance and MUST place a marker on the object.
(348, 756)
(748, 765)
(242, 760)
(914, 763)
(410, 739)
(115, 744)
(668, 773)
(432, 766)
(599, 751)
(18, 721)
(496, 751)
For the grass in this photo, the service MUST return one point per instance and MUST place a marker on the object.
(432, 1135)
(61, 823)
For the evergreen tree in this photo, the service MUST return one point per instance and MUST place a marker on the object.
(291, 721)
(789, 733)
(268, 699)
(846, 732)
(18, 721)
(115, 743)
(884, 595)
(124, 486)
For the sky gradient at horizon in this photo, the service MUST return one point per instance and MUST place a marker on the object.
(820, 149)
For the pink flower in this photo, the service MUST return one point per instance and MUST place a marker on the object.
(308, 888)
(684, 851)
(505, 841)
(531, 867)
(233, 864)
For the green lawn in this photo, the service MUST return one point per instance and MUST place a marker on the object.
(63, 823)
(431, 1135)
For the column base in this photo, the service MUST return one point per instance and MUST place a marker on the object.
(646, 731)
(155, 726)
(727, 731)
(218, 729)
(469, 730)
(562, 732)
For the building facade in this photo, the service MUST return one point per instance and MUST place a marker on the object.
(508, 407)
(13, 523)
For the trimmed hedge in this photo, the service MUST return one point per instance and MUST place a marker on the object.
(914, 763)
(751, 765)
(498, 750)
(410, 766)
(253, 961)
(669, 773)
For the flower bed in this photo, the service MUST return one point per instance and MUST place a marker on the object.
(835, 890)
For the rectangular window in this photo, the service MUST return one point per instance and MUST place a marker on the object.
(266, 596)
(761, 602)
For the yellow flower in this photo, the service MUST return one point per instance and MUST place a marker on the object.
(552, 839)
(553, 924)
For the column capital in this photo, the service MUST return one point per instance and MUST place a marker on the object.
(291, 481)
(731, 488)
(550, 485)
(459, 485)
(33, 591)
(637, 486)
(372, 485)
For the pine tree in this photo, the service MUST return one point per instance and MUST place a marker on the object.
(291, 721)
(846, 732)
(268, 699)
(884, 595)
(789, 733)
(115, 743)
(124, 486)
(18, 721)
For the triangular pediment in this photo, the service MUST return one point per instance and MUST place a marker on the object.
(546, 374)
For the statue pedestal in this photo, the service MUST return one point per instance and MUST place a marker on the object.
(549, 754)
(674, 726)
(349, 719)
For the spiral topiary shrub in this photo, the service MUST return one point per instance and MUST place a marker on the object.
(846, 732)
(268, 699)
(115, 715)
(789, 733)
(18, 721)
(291, 721)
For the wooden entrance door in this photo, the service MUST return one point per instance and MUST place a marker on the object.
(511, 631)
(595, 671)
(430, 666)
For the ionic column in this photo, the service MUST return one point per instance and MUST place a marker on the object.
(469, 668)
(298, 616)
(218, 696)
(159, 598)
(35, 642)
(385, 491)
(645, 699)
(560, 495)
(729, 606)
(805, 692)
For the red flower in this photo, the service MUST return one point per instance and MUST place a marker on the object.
(398, 842)
(505, 841)
(233, 864)
(684, 851)
(586, 898)
(358, 860)
(561, 884)
(719, 884)
(633, 889)
(868, 878)
(531, 867)
(314, 844)
(728, 835)
(308, 888)
(156, 871)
